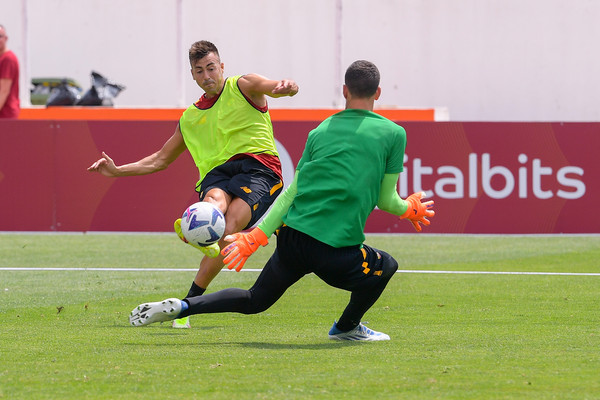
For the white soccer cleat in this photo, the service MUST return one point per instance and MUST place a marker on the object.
(361, 332)
(159, 311)
(182, 323)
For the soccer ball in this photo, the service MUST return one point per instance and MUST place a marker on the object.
(202, 223)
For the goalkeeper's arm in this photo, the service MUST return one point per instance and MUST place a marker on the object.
(412, 208)
(274, 219)
(389, 199)
(243, 245)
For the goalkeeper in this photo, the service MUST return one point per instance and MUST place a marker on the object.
(350, 164)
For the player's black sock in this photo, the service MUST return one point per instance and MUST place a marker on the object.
(195, 290)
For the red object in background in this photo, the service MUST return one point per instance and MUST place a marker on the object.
(485, 177)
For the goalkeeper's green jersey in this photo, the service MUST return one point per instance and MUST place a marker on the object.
(230, 126)
(340, 173)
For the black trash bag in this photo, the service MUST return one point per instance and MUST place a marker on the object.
(63, 95)
(101, 93)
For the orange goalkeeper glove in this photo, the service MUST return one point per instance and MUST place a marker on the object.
(417, 212)
(242, 246)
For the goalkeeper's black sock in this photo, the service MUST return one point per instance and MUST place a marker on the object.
(346, 325)
(195, 290)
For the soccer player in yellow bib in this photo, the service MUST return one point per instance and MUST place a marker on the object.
(229, 134)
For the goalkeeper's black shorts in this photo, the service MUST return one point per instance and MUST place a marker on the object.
(349, 268)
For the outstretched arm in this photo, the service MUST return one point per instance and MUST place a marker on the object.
(147, 165)
(389, 199)
(273, 220)
(256, 87)
(412, 208)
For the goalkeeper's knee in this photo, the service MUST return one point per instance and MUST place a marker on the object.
(389, 266)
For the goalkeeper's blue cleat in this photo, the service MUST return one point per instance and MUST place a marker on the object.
(159, 311)
(361, 332)
(182, 323)
(211, 251)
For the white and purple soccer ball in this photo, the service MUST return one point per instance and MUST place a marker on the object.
(202, 223)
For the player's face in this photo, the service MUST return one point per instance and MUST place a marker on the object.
(208, 74)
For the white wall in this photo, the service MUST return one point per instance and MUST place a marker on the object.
(492, 60)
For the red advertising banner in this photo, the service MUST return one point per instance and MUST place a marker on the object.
(484, 177)
(503, 177)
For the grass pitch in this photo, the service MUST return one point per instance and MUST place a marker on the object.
(64, 333)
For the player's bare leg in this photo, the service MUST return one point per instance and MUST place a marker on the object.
(237, 216)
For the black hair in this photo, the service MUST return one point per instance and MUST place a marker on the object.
(362, 78)
(201, 49)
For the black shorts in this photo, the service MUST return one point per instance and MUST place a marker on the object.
(247, 179)
(350, 268)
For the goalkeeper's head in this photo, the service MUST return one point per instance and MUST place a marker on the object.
(362, 79)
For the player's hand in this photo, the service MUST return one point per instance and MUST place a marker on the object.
(242, 246)
(106, 166)
(417, 211)
(286, 87)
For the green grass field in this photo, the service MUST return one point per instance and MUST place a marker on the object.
(64, 334)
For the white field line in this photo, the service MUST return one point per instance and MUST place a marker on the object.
(403, 271)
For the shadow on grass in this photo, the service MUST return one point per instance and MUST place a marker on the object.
(169, 333)
(258, 345)
(305, 346)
